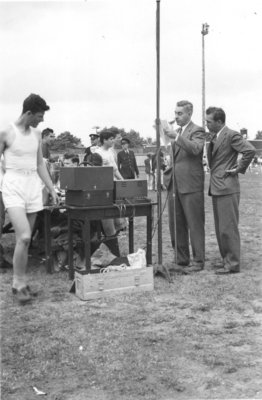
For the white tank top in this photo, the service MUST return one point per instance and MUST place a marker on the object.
(22, 154)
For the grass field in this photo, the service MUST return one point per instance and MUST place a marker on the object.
(197, 338)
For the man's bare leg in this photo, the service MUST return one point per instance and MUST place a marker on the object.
(23, 224)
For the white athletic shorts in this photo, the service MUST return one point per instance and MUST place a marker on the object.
(22, 188)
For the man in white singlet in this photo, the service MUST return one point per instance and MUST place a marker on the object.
(20, 144)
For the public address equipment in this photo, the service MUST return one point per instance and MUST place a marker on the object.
(94, 186)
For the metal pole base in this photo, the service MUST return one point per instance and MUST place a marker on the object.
(163, 271)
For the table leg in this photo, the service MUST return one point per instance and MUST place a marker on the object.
(131, 235)
(48, 252)
(149, 224)
(70, 248)
(87, 245)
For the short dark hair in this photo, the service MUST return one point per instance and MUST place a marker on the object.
(106, 134)
(34, 103)
(75, 159)
(218, 114)
(68, 156)
(47, 132)
(185, 103)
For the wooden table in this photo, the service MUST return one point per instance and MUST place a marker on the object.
(129, 209)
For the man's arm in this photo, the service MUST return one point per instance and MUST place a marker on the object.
(246, 149)
(194, 144)
(44, 175)
(119, 160)
(3, 138)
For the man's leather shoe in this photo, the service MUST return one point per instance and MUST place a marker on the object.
(223, 271)
(193, 268)
(176, 268)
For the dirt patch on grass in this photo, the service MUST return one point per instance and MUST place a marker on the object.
(197, 338)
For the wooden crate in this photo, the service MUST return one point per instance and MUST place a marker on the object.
(92, 286)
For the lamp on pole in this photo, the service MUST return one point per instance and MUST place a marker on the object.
(204, 32)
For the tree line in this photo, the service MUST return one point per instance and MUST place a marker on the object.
(66, 140)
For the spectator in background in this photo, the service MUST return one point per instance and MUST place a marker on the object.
(117, 140)
(126, 161)
(48, 137)
(107, 138)
(149, 171)
(154, 169)
(70, 160)
(95, 142)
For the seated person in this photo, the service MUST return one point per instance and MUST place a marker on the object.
(70, 160)
(59, 229)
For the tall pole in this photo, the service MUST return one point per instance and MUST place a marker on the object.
(203, 32)
(160, 268)
(159, 199)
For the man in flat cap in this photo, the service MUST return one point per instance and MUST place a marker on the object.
(95, 142)
(126, 161)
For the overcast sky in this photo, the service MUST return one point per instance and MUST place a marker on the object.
(94, 61)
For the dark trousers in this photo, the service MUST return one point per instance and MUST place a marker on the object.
(186, 214)
(226, 216)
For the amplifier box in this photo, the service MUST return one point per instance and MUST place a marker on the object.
(130, 188)
(86, 198)
(86, 178)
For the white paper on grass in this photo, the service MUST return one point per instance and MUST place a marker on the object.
(138, 259)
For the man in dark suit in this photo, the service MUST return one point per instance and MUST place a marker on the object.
(185, 184)
(224, 187)
(126, 161)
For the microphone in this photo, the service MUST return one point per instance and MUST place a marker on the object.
(172, 122)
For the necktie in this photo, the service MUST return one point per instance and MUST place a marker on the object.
(214, 138)
(179, 131)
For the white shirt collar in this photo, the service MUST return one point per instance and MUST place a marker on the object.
(218, 133)
(184, 127)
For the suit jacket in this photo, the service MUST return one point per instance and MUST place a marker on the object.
(127, 164)
(87, 153)
(187, 161)
(223, 155)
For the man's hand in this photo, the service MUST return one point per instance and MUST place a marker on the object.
(55, 198)
(232, 172)
(170, 133)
